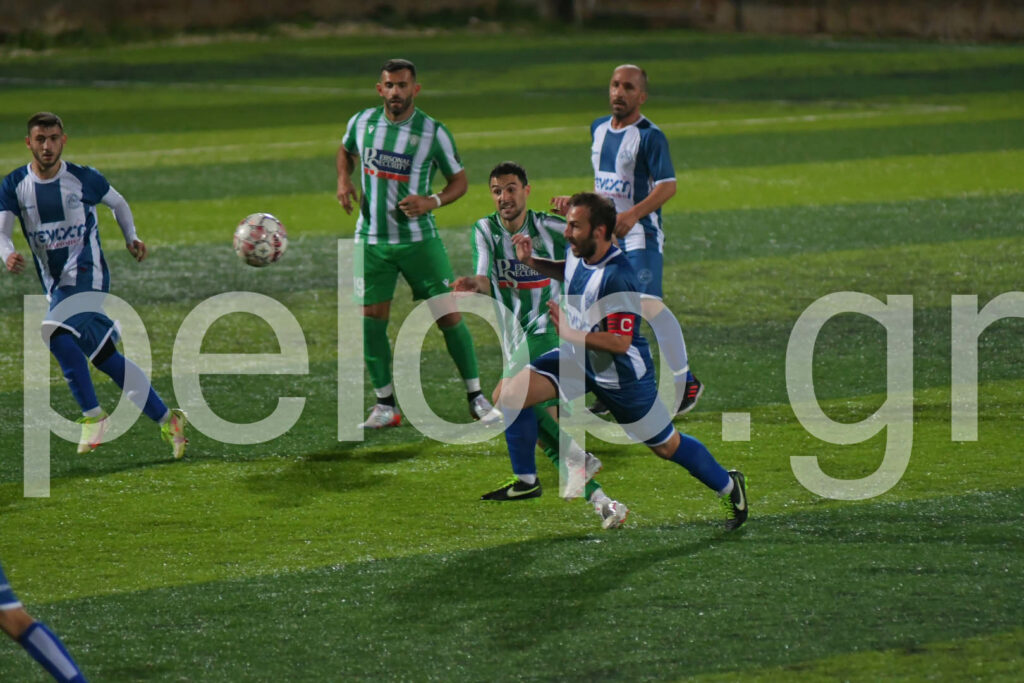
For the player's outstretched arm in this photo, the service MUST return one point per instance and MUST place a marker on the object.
(524, 252)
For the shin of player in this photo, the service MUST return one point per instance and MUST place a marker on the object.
(39, 641)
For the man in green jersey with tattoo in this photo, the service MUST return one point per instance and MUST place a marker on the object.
(400, 149)
(523, 294)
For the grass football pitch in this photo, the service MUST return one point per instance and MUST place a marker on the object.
(805, 168)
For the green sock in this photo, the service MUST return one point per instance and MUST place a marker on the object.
(460, 347)
(547, 432)
(377, 351)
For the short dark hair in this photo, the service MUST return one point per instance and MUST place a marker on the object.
(509, 168)
(399, 65)
(602, 211)
(45, 119)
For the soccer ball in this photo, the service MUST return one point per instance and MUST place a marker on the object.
(260, 239)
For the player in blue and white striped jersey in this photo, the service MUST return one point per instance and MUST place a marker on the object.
(633, 168)
(55, 202)
(39, 641)
(602, 341)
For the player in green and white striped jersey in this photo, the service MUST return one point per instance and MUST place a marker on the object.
(400, 150)
(523, 294)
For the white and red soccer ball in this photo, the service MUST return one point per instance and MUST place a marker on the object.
(260, 239)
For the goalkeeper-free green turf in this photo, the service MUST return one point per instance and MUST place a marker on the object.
(805, 168)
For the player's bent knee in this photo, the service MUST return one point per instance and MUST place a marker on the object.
(106, 351)
(15, 621)
(668, 449)
(449, 320)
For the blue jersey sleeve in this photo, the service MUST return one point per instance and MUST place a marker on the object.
(9, 195)
(623, 282)
(94, 185)
(659, 162)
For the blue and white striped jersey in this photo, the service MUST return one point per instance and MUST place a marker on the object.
(58, 219)
(612, 277)
(628, 163)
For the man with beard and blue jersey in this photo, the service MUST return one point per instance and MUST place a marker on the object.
(633, 168)
(520, 297)
(602, 344)
(55, 202)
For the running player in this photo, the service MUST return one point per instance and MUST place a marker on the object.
(55, 201)
(39, 641)
(600, 336)
(521, 294)
(632, 167)
(400, 149)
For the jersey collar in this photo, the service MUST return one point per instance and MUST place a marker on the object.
(608, 255)
(58, 174)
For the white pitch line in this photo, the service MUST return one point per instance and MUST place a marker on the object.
(678, 125)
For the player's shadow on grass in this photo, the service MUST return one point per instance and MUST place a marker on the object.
(337, 471)
(523, 593)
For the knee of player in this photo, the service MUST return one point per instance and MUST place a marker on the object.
(667, 449)
(15, 621)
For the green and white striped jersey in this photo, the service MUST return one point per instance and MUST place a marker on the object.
(398, 159)
(523, 291)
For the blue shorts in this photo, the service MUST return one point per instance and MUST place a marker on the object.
(8, 600)
(635, 406)
(647, 262)
(91, 329)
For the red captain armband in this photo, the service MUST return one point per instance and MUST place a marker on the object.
(621, 323)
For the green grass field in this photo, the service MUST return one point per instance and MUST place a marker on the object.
(805, 167)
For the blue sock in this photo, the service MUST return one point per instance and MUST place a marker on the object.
(75, 368)
(46, 648)
(116, 367)
(697, 459)
(671, 342)
(521, 437)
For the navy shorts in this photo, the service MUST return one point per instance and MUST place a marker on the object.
(91, 329)
(647, 262)
(635, 405)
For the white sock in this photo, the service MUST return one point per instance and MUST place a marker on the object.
(472, 385)
(94, 412)
(384, 392)
(598, 499)
(528, 479)
(728, 489)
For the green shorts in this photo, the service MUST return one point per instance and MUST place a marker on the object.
(424, 265)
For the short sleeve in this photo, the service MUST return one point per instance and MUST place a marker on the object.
(659, 162)
(94, 185)
(348, 141)
(482, 249)
(9, 197)
(445, 154)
